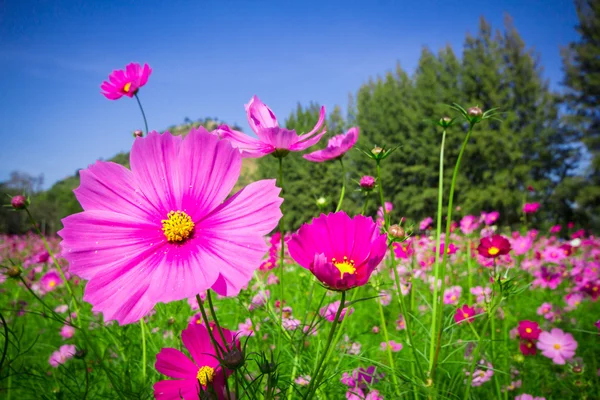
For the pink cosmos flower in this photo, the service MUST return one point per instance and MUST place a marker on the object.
(529, 330)
(61, 309)
(50, 281)
(65, 352)
(557, 345)
(530, 208)
(489, 218)
(452, 295)
(302, 380)
(553, 254)
(328, 312)
(367, 182)
(521, 244)
(271, 138)
(395, 347)
(336, 147)
(165, 230)
(67, 332)
(555, 229)
(340, 251)
(526, 396)
(468, 224)
(246, 328)
(481, 375)
(385, 298)
(464, 313)
(483, 295)
(452, 249)
(527, 347)
(203, 372)
(400, 323)
(259, 300)
(426, 223)
(125, 82)
(573, 300)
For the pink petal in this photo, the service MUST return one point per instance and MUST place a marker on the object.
(187, 389)
(175, 364)
(317, 126)
(259, 115)
(299, 146)
(197, 340)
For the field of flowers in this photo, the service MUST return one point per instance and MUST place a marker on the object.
(166, 286)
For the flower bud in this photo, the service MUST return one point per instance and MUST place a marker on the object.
(577, 369)
(367, 182)
(234, 359)
(138, 133)
(19, 202)
(396, 231)
(322, 202)
(376, 150)
(14, 272)
(475, 112)
(171, 321)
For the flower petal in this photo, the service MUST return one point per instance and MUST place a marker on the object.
(197, 340)
(175, 364)
(187, 389)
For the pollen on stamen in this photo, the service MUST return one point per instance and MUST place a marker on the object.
(205, 375)
(345, 267)
(178, 226)
(127, 87)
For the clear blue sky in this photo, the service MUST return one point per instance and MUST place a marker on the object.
(210, 57)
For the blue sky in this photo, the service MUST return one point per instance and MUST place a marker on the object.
(210, 57)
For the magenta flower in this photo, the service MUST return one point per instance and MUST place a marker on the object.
(336, 147)
(394, 346)
(464, 313)
(521, 244)
(555, 229)
(126, 82)
(166, 230)
(340, 251)
(492, 247)
(529, 330)
(328, 312)
(271, 138)
(452, 294)
(203, 372)
(65, 352)
(367, 182)
(490, 218)
(553, 254)
(246, 328)
(530, 208)
(50, 281)
(526, 396)
(468, 224)
(426, 223)
(557, 345)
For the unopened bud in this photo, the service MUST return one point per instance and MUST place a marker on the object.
(446, 120)
(577, 369)
(322, 202)
(18, 202)
(171, 321)
(475, 112)
(396, 231)
(376, 150)
(367, 182)
(138, 133)
(14, 272)
(234, 359)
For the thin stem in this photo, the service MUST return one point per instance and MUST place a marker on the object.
(5, 341)
(143, 113)
(388, 347)
(469, 275)
(475, 358)
(438, 241)
(314, 383)
(215, 320)
(447, 240)
(282, 251)
(339, 206)
(496, 378)
(364, 209)
(385, 216)
(143, 349)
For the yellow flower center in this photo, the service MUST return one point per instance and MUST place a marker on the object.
(453, 298)
(178, 226)
(557, 346)
(465, 315)
(493, 251)
(205, 375)
(529, 345)
(345, 267)
(52, 283)
(528, 330)
(127, 87)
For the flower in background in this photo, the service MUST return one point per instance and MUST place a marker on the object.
(597, 324)
(469, 223)
(67, 332)
(336, 147)
(328, 312)
(400, 323)
(452, 249)
(201, 374)
(464, 313)
(165, 230)
(553, 255)
(50, 281)
(529, 330)
(426, 223)
(489, 218)
(126, 82)
(270, 137)
(481, 375)
(259, 300)
(367, 182)
(302, 380)
(530, 208)
(557, 345)
(483, 295)
(394, 346)
(521, 244)
(385, 298)
(555, 229)
(246, 328)
(573, 300)
(452, 294)
(65, 352)
(527, 347)
(526, 396)
(493, 247)
(340, 251)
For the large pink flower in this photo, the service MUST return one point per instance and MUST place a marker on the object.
(557, 345)
(271, 138)
(336, 147)
(126, 82)
(189, 375)
(165, 231)
(340, 251)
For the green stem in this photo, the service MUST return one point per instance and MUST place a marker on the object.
(475, 356)
(469, 274)
(314, 384)
(493, 360)
(364, 209)
(282, 251)
(381, 199)
(339, 206)
(438, 241)
(143, 113)
(447, 241)
(143, 349)
(388, 347)
(215, 320)
(5, 341)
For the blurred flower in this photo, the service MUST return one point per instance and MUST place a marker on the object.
(328, 312)
(19, 202)
(50, 281)
(336, 147)
(452, 295)
(527, 347)
(555, 229)
(529, 330)
(468, 224)
(302, 380)
(125, 82)
(65, 352)
(489, 218)
(67, 332)
(464, 313)
(385, 298)
(340, 251)
(557, 345)
(166, 230)
(530, 208)
(480, 375)
(521, 244)
(395, 347)
(246, 329)
(526, 396)
(259, 300)
(367, 182)
(426, 223)
(493, 247)
(553, 255)
(270, 137)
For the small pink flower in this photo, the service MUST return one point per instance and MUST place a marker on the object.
(468, 224)
(126, 82)
(526, 396)
(336, 147)
(328, 312)
(481, 376)
(394, 346)
(302, 380)
(452, 295)
(530, 208)
(65, 352)
(553, 254)
(555, 229)
(426, 223)
(50, 281)
(489, 218)
(259, 300)
(246, 329)
(385, 298)
(557, 345)
(521, 244)
(367, 182)
(464, 313)
(67, 332)
(61, 309)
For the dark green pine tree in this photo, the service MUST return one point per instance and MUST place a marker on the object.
(582, 80)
